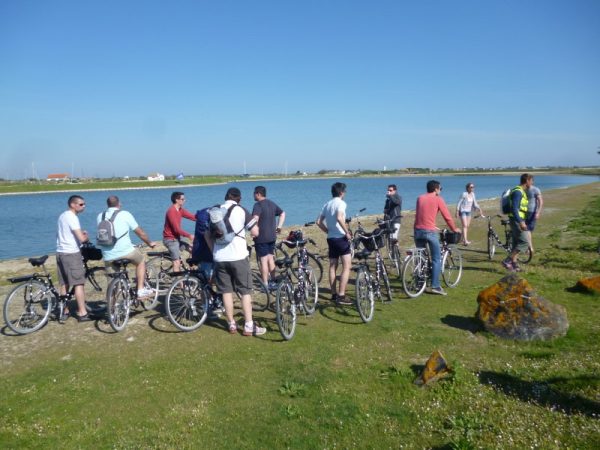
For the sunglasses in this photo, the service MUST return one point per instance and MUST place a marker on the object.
(80, 204)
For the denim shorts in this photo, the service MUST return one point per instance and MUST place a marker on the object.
(465, 214)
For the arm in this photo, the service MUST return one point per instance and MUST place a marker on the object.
(188, 215)
(446, 214)
(321, 225)
(280, 222)
(540, 204)
(459, 203)
(341, 219)
(81, 236)
(144, 237)
(476, 205)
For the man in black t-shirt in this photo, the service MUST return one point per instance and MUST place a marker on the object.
(393, 209)
(265, 211)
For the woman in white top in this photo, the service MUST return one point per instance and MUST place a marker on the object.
(466, 204)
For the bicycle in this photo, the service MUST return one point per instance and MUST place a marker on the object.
(159, 269)
(29, 305)
(391, 244)
(372, 242)
(416, 268)
(293, 297)
(122, 296)
(493, 239)
(190, 300)
(314, 260)
(367, 286)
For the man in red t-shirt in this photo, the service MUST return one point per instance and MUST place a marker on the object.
(172, 232)
(426, 231)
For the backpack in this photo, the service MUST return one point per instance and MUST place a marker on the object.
(105, 235)
(219, 226)
(505, 202)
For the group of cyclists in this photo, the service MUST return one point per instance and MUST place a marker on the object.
(226, 263)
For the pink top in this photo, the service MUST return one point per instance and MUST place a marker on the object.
(173, 218)
(428, 206)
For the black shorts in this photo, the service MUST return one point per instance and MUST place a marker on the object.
(265, 248)
(338, 247)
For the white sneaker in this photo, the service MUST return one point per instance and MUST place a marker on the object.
(438, 291)
(254, 330)
(145, 293)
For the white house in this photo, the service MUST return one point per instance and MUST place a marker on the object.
(156, 177)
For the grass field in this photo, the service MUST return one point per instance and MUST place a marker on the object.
(339, 383)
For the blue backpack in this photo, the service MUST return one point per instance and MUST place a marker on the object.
(200, 250)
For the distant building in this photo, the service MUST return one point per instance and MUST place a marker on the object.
(58, 177)
(156, 177)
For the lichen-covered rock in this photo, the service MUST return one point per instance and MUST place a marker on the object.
(591, 284)
(435, 369)
(512, 309)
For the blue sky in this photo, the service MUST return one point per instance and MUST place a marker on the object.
(103, 88)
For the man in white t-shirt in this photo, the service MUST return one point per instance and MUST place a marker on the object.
(69, 263)
(333, 222)
(123, 223)
(232, 267)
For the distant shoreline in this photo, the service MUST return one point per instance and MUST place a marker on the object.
(316, 177)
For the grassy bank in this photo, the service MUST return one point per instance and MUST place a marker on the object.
(339, 383)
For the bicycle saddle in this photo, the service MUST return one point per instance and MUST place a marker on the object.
(35, 262)
(121, 262)
(163, 254)
(505, 221)
(363, 254)
(284, 262)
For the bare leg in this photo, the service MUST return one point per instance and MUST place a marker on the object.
(80, 297)
(176, 265)
(228, 303)
(333, 264)
(267, 265)
(247, 307)
(140, 273)
(346, 264)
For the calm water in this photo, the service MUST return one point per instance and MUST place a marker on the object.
(28, 222)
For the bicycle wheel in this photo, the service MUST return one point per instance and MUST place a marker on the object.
(386, 282)
(524, 257)
(394, 255)
(414, 275)
(311, 291)
(159, 279)
(118, 304)
(364, 298)
(314, 261)
(260, 293)
(187, 303)
(27, 307)
(491, 245)
(452, 267)
(285, 310)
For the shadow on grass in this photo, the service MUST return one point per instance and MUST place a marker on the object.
(547, 392)
(470, 324)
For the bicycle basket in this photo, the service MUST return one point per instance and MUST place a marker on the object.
(372, 241)
(294, 236)
(451, 237)
(91, 253)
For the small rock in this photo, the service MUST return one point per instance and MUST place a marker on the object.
(512, 309)
(591, 285)
(435, 369)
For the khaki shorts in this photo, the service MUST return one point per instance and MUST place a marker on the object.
(136, 257)
(520, 237)
(70, 269)
(232, 276)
